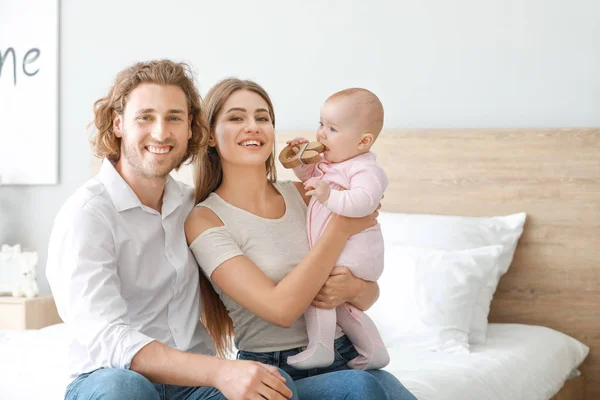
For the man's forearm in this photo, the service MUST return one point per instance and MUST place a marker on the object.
(162, 364)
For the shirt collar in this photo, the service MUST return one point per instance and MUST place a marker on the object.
(123, 196)
(173, 196)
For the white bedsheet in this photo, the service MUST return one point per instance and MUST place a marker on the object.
(33, 364)
(518, 362)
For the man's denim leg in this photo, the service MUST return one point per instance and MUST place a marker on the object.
(111, 384)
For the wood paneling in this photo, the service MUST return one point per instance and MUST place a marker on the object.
(573, 389)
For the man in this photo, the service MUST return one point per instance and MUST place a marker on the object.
(124, 280)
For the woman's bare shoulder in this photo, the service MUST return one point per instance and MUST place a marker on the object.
(200, 220)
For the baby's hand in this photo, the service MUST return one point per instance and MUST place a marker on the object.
(296, 142)
(320, 189)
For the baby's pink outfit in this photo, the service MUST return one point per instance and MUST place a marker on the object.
(357, 187)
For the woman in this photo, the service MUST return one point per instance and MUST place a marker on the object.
(248, 235)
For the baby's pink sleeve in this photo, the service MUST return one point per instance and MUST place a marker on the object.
(304, 172)
(368, 182)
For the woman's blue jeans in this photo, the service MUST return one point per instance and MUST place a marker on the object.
(336, 381)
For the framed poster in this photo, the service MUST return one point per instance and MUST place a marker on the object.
(28, 92)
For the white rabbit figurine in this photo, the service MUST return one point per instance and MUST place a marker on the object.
(27, 285)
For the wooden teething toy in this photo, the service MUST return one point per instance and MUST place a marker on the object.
(308, 154)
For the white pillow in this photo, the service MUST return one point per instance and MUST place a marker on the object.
(449, 232)
(427, 296)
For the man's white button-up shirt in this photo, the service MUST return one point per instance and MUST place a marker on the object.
(122, 274)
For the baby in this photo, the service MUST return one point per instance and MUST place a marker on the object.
(348, 182)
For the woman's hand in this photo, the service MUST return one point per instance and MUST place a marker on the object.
(352, 226)
(341, 287)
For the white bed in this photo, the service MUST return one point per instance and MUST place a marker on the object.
(33, 363)
(536, 361)
(517, 362)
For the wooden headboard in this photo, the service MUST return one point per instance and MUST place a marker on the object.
(551, 174)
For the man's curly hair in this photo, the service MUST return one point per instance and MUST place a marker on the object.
(162, 72)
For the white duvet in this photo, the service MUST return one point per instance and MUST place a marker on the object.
(33, 364)
(518, 362)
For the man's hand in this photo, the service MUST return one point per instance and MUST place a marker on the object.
(242, 380)
(320, 189)
(341, 287)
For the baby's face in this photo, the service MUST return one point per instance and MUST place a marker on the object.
(338, 130)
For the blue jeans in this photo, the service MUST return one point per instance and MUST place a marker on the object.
(336, 381)
(124, 384)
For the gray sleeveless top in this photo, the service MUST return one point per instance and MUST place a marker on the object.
(276, 246)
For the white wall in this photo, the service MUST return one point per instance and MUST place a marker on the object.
(434, 64)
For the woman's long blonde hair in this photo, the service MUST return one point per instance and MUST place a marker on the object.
(208, 175)
(163, 72)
